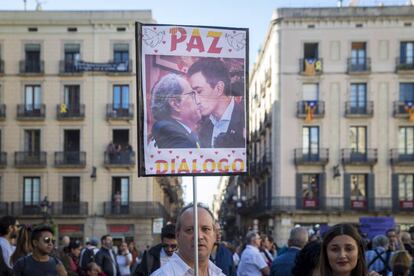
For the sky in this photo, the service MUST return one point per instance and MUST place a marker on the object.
(252, 14)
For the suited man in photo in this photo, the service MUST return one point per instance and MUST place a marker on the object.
(223, 124)
(175, 112)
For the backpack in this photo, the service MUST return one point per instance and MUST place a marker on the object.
(386, 269)
(86, 257)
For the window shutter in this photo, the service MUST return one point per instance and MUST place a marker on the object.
(394, 192)
(298, 191)
(347, 191)
(371, 191)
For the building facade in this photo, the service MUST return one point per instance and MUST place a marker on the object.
(331, 119)
(68, 129)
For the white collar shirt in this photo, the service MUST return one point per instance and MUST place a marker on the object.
(7, 249)
(221, 125)
(251, 262)
(177, 267)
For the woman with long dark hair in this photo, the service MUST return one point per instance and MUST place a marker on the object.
(23, 245)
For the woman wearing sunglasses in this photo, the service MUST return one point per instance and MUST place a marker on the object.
(40, 262)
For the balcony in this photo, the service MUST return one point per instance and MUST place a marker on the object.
(122, 159)
(401, 109)
(359, 66)
(359, 110)
(2, 112)
(310, 66)
(402, 158)
(119, 113)
(316, 108)
(68, 68)
(65, 209)
(30, 67)
(3, 159)
(403, 205)
(29, 159)
(317, 157)
(141, 210)
(70, 113)
(404, 66)
(70, 159)
(268, 77)
(32, 112)
(121, 67)
(353, 157)
(1, 67)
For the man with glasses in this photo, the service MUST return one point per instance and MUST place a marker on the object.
(9, 226)
(175, 113)
(40, 262)
(160, 254)
(252, 262)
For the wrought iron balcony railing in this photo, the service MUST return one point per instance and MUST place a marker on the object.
(311, 157)
(21, 208)
(144, 209)
(359, 65)
(67, 159)
(65, 112)
(404, 64)
(402, 109)
(310, 66)
(31, 111)
(354, 157)
(68, 67)
(30, 159)
(316, 108)
(354, 109)
(119, 112)
(124, 158)
(32, 67)
(402, 157)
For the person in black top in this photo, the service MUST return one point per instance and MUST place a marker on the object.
(105, 257)
(40, 262)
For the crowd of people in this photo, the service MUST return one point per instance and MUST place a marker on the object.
(341, 250)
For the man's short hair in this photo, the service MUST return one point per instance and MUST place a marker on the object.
(380, 241)
(214, 70)
(168, 231)
(191, 205)
(5, 223)
(250, 236)
(298, 237)
(103, 238)
(37, 231)
(167, 88)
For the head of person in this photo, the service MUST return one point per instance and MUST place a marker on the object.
(253, 238)
(218, 232)
(9, 226)
(168, 240)
(131, 246)
(42, 239)
(298, 237)
(92, 269)
(123, 248)
(74, 248)
(65, 241)
(106, 241)
(401, 263)
(24, 243)
(342, 252)
(172, 97)
(210, 80)
(185, 233)
(392, 236)
(380, 241)
(405, 237)
(307, 260)
(94, 242)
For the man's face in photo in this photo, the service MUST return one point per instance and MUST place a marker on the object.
(189, 111)
(207, 96)
(169, 245)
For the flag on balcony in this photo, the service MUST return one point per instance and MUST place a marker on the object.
(309, 109)
(310, 67)
(63, 108)
(409, 107)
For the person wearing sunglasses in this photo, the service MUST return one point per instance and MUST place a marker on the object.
(160, 254)
(40, 262)
(175, 113)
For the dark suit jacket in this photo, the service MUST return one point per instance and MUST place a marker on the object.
(104, 260)
(224, 260)
(283, 264)
(233, 138)
(171, 134)
(150, 261)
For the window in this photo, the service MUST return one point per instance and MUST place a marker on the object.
(32, 97)
(72, 56)
(121, 52)
(358, 98)
(407, 92)
(72, 97)
(310, 190)
(121, 185)
(358, 190)
(406, 141)
(32, 140)
(310, 91)
(121, 97)
(358, 139)
(32, 56)
(310, 51)
(31, 191)
(358, 52)
(310, 141)
(407, 52)
(71, 191)
(405, 187)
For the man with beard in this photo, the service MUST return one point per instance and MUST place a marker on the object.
(106, 258)
(9, 226)
(221, 256)
(223, 124)
(182, 262)
(40, 262)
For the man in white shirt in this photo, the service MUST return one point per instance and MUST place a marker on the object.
(252, 262)
(182, 262)
(9, 226)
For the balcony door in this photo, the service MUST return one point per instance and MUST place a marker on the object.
(407, 52)
(120, 101)
(310, 191)
(310, 51)
(32, 56)
(358, 191)
(32, 141)
(310, 143)
(31, 195)
(358, 98)
(32, 98)
(359, 55)
(407, 92)
(120, 194)
(71, 146)
(72, 97)
(71, 195)
(72, 56)
(406, 143)
(406, 191)
(121, 53)
(358, 142)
